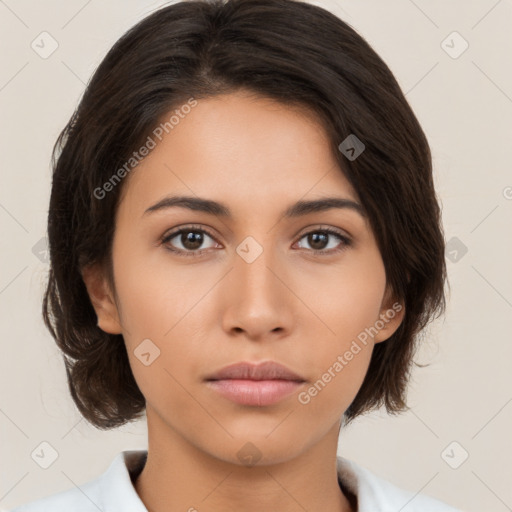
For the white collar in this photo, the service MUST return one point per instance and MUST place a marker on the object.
(113, 491)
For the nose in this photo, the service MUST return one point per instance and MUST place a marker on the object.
(257, 300)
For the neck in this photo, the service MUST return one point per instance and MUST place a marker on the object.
(179, 476)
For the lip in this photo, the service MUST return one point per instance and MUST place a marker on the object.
(255, 384)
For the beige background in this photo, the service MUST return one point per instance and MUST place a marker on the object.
(465, 107)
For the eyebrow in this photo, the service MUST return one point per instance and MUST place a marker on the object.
(298, 209)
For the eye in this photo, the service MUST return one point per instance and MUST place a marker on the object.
(319, 238)
(191, 239)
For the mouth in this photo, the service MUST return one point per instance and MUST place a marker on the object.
(255, 384)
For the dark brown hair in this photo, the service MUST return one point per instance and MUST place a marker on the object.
(287, 50)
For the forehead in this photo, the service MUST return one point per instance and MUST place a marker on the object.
(250, 151)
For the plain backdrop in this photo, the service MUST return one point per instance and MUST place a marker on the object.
(452, 59)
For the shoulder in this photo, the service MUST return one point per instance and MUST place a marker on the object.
(376, 493)
(112, 491)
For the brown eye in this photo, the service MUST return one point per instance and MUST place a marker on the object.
(191, 240)
(187, 241)
(319, 241)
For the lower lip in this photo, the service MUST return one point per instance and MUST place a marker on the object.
(255, 392)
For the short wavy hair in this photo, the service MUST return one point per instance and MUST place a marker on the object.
(287, 50)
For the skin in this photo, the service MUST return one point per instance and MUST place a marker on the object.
(290, 305)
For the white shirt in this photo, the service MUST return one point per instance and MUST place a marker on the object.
(113, 491)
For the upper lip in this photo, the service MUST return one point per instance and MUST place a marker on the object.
(268, 370)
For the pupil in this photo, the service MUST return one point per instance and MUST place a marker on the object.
(315, 237)
(193, 240)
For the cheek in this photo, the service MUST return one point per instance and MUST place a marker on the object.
(346, 298)
(349, 307)
(336, 385)
(156, 294)
(163, 319)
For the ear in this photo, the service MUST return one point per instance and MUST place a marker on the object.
(102, 299)
(392, 313)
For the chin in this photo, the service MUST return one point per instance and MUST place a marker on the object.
(257, 448)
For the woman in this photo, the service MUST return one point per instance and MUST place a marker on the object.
(245, 243)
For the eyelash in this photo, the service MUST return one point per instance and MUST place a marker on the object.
(196, 229)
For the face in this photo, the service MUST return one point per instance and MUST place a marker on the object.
(197, 291)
